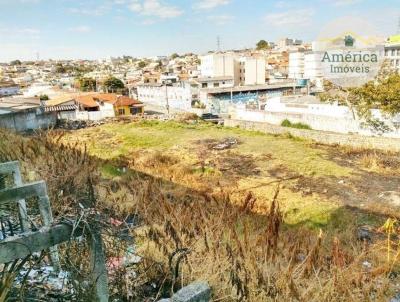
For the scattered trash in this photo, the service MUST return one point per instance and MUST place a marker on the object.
(78, 124)
(364, 234)
(367, 265)
(226, 144)
(45, 282)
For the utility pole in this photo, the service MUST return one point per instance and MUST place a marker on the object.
(166, 97)
(218, 43)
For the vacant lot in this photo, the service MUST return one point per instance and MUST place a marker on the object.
(316, 181)
(209, 208)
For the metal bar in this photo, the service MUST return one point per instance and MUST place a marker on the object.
(35, 189)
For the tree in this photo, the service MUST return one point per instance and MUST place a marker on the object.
(142, 64)
(382, 93)
(262, 44)
(15, 62)
(44, 97)
(174, 56)
(112, 84)
(60, 68)
(87, 84)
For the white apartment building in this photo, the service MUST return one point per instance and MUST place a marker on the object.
(296, 65)
(306, 65)
(250, 71)
(392, 52)
(217, 65)
(244, 70)
(313, 69)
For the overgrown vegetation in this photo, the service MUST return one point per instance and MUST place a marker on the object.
(260, 227)
(289, 124)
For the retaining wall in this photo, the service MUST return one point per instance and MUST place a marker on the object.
(354, 140)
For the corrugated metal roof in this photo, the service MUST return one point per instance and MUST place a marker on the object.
(60, 108)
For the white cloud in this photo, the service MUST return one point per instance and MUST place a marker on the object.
(209, 4)
(93, 11)
(155, 8)
(81, 29)
(300, 17)
(221, 19)
(27, 31)
(346, 2)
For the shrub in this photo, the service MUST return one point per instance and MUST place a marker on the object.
(289, 124)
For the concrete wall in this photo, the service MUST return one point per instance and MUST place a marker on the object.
(382, 143)
(86, 115)
(29, 120)
(338, 124)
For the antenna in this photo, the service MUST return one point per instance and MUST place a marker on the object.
(218, 43)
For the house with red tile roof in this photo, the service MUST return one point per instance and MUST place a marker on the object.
(94, 106)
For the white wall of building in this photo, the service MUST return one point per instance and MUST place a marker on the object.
(179, 97)
(324, 117)
(217, 65)
(255, 71)
(296, 65)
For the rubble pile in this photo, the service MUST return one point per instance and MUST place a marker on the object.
(77, 124)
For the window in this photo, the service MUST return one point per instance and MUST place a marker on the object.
(121, 111)
(204, 85)
(216, 84)
(393, 52)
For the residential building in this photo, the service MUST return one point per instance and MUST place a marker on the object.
(296, 65)
(24, 114)
(8, 88)
(245, 70)
(93, 106)
(286, 43)
(313, 69)
(123, 105)
(250, 71)
(215, 82)
(178, 96)
(218, 65)
(392, 52)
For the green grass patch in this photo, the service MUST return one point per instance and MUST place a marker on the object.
(289, 124)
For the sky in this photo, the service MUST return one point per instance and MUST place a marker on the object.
(92, 29)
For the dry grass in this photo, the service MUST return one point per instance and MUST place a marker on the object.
(244, 242)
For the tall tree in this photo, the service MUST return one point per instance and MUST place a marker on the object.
(382, 93)
(262, 44)
(112, 84)
(87, 84)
